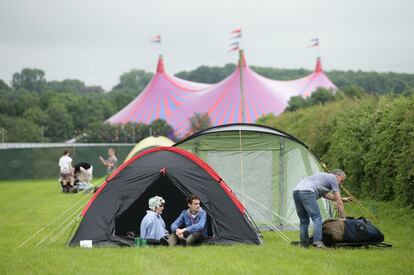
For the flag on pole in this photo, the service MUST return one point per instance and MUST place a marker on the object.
(234, 49)
(235, 36)
(236, 31)
(315, 42)
(156, 39)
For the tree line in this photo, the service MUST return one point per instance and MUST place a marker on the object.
(33, 109)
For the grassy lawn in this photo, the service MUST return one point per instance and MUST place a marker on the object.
(27, 206)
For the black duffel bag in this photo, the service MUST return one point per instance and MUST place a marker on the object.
(351, 232)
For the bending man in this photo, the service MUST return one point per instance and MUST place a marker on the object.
(305, 194)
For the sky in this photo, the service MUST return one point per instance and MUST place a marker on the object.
(97, 40)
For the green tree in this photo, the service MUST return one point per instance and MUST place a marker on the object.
(161, 128)
(16, 129)
(295, 103)
(134, 80)
(199, 121)
(36, 115)
(30, 79)
(4, 86)
(321, 96)
(353, 92)
(60, 125)
(205, 74)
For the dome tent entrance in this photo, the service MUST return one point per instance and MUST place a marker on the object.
(262, 165)
(121, 202)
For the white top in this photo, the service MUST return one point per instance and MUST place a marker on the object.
(65, 164)
(152, 226)
(85, 174)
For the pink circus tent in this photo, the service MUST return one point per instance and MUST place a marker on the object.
(159, 100)
(307, 85)
(244, 96)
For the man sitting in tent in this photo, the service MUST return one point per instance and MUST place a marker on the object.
(305, 194)
(194, 221)
(152, 225)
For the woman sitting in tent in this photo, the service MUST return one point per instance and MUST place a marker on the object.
(152, 225)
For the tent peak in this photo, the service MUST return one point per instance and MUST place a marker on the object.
(160, 65)
(318, 67)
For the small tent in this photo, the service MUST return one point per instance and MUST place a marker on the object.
(148, 143)
(262, 165)
(172, 173)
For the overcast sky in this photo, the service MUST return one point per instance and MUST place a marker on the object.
(98, 40)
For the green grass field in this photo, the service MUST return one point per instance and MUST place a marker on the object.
(27, 206)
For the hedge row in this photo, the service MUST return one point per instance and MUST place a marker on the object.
(371, 139)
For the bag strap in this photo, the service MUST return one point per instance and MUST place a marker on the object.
(382, 245)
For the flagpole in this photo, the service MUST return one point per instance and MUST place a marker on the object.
(241, 85)
(161, 53)
(319, 48)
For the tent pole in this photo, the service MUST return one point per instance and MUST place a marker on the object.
(241, 165)
(241, 65)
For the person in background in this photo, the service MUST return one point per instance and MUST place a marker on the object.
(110, 163)
(66, 170)
(305, 194)
(152, 225)
(193, 220)
(83, 173)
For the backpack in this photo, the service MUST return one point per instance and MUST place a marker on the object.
(351, 232)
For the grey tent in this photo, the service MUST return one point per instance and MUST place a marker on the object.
(121, 202)
(261, 165)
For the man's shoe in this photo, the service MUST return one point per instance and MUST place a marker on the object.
(164, 241)
(320, 246)
(190, 239)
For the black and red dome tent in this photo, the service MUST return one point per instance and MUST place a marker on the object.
(173, 173)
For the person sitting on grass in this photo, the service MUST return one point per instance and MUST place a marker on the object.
(152, 225)
(83, 174)
(66, 171)
(194, 221)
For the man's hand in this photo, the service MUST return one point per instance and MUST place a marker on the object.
(347, 199)
(180, 233)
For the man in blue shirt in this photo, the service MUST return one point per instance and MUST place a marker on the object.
(193, 220)
(152, 225)
(305, 194)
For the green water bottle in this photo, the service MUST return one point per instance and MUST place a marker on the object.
(137, 241)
